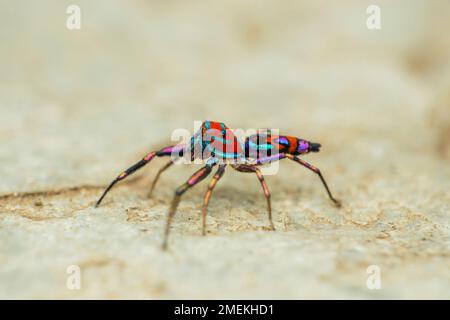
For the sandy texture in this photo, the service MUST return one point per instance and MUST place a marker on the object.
(77, 107)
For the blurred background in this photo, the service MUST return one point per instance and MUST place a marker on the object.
(78, 106)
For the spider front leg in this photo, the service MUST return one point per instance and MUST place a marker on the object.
(212, 184)
(192, 181)
(317, 171)
(149, 157)
(253, 168)
(160, 171)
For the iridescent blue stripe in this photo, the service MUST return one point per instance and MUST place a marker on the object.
(283, 140)
(221, 139)
(266, 146)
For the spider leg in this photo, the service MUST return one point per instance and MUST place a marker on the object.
(212, 184)
(317, 171)
(160, 171)
(198, 176)
(268, 159)
(149, 157)
(253, 168)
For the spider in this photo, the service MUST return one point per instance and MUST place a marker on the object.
(215, 143)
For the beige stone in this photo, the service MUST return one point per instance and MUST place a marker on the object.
(77, 107)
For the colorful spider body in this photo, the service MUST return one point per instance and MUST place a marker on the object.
(218, 146)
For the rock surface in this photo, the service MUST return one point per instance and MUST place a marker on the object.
(77, 107)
